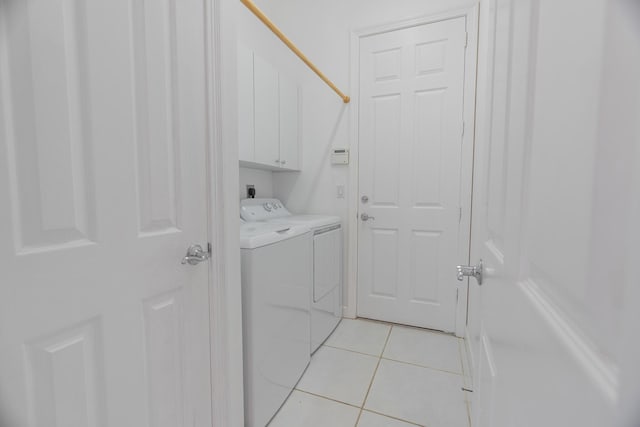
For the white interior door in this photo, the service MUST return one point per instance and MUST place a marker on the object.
(103, 188)
(556, 151)
(410, 189)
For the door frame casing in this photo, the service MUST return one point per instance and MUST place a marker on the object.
(471, 17)
(225, 303)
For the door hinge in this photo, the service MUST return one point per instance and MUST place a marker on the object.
(459, 215)
(466, 38)
(462, 133)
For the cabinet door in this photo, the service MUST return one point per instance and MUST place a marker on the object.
(245, 104)
(267, 133)
(289, 157)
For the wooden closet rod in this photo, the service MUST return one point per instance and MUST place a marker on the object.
(261, 16)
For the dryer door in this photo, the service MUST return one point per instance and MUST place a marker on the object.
(327, 261)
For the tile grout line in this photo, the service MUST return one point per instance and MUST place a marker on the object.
(373, 377)
(462, 351)
(357, 407)
(461, 373)
(393, 417)
(328, 398)
(425, 367)
(350, 350)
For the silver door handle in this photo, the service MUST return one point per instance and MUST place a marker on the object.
(366, 217)
(471, 271)
(195, 255)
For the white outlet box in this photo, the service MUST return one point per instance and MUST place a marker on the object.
(340, 156)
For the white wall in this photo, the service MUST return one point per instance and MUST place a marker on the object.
(261, 179)
(322, 31)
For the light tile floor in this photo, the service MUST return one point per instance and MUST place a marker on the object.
(375, 374)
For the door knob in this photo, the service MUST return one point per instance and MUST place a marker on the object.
(471, 271)
(366, 217)
(195, 255)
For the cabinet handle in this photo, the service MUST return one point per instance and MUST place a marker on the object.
(283, 162)
(277, 161)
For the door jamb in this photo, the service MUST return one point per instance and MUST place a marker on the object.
(225, 304)
(471, 16)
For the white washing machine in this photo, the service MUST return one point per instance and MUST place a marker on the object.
(277, 275)
(326, 305)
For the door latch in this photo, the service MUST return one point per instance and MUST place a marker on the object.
(366, 217)
(196, 254)
(470, 271)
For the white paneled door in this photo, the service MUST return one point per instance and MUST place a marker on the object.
(410, 187)
(103, 187)
(556, 158)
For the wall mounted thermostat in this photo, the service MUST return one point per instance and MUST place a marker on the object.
(340, 156)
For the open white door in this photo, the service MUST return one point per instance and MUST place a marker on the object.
(556, 149)
(103, 188)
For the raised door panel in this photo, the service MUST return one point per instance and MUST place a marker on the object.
(561, 166)
(568, 273)
(246, 141)
(164, 333)
(426, 267)
(496, 183)
(384, 268)
(46, 105)
(158, 134)
(266, 95)
(387, 134)
(65, 377)
(427, 149)
(289, 120)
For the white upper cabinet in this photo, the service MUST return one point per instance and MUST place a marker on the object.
(266, 122)
(268, 117)
(289, 124)
(245, 103)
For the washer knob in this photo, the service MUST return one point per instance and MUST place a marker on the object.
(268, 207)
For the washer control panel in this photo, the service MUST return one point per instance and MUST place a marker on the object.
(262, 209)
